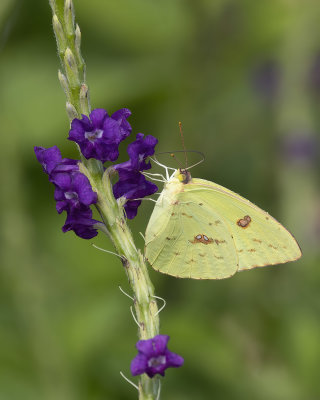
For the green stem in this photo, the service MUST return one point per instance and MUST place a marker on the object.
(145, 305)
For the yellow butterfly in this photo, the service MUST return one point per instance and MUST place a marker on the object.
(201, 230)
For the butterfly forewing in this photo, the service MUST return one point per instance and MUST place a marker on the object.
(259, 239)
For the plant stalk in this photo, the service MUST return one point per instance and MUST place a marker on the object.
(73, 81)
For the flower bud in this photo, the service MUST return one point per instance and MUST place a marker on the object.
(59, 33)
(84, 99)
(71, 111)
(71, 69)
(64, 83)
(77, 44)
(69, 17)
(77, 41)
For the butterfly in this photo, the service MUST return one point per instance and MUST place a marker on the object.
(201, 230)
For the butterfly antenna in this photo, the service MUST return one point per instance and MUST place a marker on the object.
(177, 159)
(183, 145)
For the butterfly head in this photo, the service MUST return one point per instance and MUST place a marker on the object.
(183, 175)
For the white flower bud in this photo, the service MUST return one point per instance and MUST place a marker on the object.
(60, 36)
(71, 111)
(64, 83)
(71, 69)
(69, 17)
(84, 99)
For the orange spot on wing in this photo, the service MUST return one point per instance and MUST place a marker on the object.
(201, 238)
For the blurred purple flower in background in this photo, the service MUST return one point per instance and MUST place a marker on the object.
(314, 75)
(300, 147)
(266, 78)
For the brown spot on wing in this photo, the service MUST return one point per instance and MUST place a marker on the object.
(219, 241)
(186, 215)
(257, 240)
(244, 222)
(251, 250)
(272, 246)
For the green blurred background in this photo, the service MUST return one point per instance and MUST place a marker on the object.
(244, 78)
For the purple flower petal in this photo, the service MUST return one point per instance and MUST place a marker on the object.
(140, 149)
(81, 223)
(72, 191)
(62, 180)
(121, 117)
(81, 185)
(131, 208)
(154, 346)
(98, 116)
(48, 158)
(174, 360)
(139, 364)
(132, 184)
(111, 131)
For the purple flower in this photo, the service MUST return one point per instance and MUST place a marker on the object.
(154, 357)
(132, 184)
(73, 192)
(99, 137)
(80, 221)
(52, 161)
(48, 158)
(140, 149)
